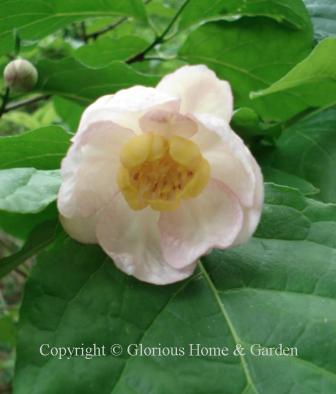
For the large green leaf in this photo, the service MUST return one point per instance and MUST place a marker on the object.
(279, 288)
(308, 149)
(20, 225)
(69, 111)
(249, 53)
(313, 80)
(279, 177)
(34, 19)
(42, 148)
(73, 80)
(27, 190)
(106, 50)
(292, 11)
(323, 13)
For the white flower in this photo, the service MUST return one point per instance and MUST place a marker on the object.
(157, 177)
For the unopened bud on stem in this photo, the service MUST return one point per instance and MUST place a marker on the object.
(20, 75)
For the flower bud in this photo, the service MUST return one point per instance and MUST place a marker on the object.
(20, 75)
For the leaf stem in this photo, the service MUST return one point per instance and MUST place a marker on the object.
(159, 39)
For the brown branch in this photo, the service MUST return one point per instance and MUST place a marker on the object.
(18, 104)
(5, 99)
(21, 273)
(7, 388)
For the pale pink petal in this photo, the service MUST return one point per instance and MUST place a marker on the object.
(200, 91)
(168, 123)
(230, 160)
(252, 214)
(89, 169)
(126, 107)
(82, 229)
(132, 239)
(211, 220)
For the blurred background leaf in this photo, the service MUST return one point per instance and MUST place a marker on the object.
(313, 81)
(323, 13)
(35, 19)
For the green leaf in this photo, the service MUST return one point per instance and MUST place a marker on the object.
(73, 80)
(308, 150)
(323, 13)
(27, 190)
(291, 11)
(249, 53)
(106, 50)
(69, 111)
(278, 288)
(34, 19)
(21, 225)
(43, 235)
(278, 177)
(313, 80)
(43, 148)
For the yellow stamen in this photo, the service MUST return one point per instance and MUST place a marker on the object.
(199, 180)
(159, 172)
(136, 151)
(184, 151)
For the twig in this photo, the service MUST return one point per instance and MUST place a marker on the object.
(7, 244)
(6, 389)
(159, 39)
(94, 35)
(5, 99)
(105, 29)
(23, 103)
(21, 273)
(83, 31)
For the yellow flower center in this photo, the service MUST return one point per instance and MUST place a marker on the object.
(159, 172)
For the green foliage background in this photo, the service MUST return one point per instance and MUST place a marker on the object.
(280, 57)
